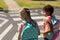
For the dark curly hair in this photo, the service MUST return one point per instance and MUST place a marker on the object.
(48, 8)
(27, 11)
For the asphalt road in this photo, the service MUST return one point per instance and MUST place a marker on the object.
(9, 23)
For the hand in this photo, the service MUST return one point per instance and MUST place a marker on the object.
(18, 35)
(41, 31)
(18, 38)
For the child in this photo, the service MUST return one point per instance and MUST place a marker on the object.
(26, 19)
(49, 22)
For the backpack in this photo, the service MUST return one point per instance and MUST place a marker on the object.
(29, 31)
(56, 23)
(53, 20)
(52, 23)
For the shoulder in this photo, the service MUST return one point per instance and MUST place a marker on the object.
(48, 18)
(20, 26)
(35, 21)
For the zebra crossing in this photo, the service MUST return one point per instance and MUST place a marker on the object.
(9, 23)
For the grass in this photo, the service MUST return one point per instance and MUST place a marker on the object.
(3, 5)
(29, 4)
(37, 4)
(53, 3)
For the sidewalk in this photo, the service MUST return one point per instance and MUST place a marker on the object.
(12, 5)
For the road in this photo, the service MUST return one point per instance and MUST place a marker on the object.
(9, 23)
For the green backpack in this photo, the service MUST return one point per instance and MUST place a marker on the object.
(29, 31)
(51, 34)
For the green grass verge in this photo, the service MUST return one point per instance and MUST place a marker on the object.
(3, 5)
(29, 4)
(37, 4)
(53, 3)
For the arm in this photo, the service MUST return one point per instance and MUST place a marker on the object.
(18, 35)
(47, 26)
(19, 30)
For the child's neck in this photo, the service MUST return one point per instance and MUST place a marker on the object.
(47, 15)
(28, 19)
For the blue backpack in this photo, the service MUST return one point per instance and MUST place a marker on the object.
(29, 31)
(53, 20)
(50, 34)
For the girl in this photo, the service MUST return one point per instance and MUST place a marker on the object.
(49, 22)
(25, 16)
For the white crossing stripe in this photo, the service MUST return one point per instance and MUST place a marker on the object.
(34, 17)
(15, 36)
(34, 14)
(41, 17)
(58, 17)
(19, 14)
(18, 24)
(40, 23)
(4, 21)
(13, 11)
(36, 10)
(1, 12)
(37, 17)
(5, 31)
(16, 19)
(3, 15)
(15, 14)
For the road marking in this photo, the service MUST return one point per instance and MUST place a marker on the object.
(38, 22)
(6, 31)
(34, 14)
(3, 15)
(18, 24)
(16, 19)
(19, 14)
(11, 12)
(1, 12)
(36, 10)
(15, 14)
(15, 36)
(37, 17)
(58, 17)
(4, 21)
(34, 17)
(31, 11)
(41, 17)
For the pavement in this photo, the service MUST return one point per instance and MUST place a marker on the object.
(12, 5)
(9, 23)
